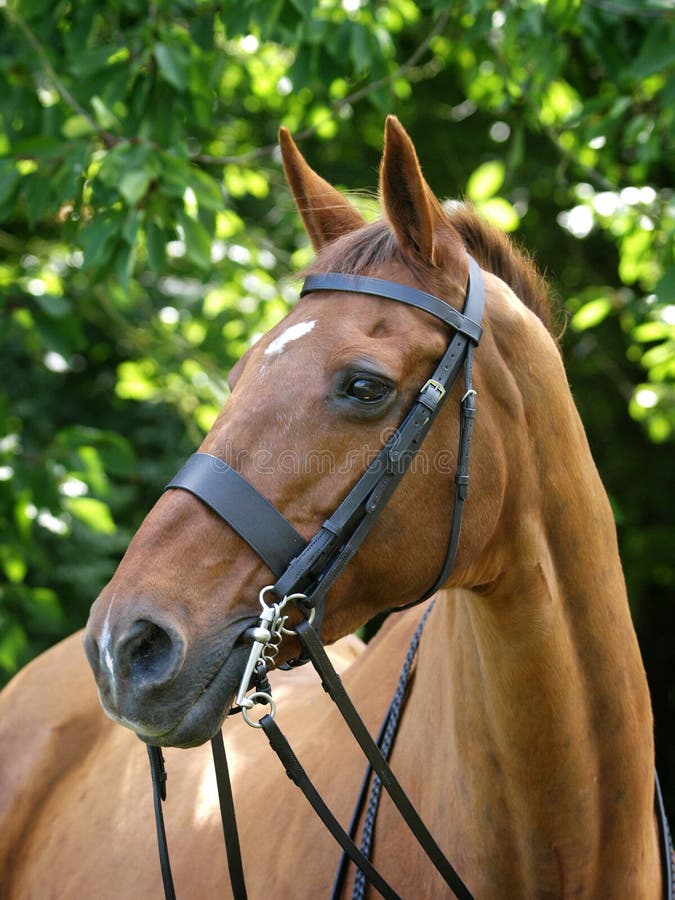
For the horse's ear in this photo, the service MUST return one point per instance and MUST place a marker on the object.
(409, 203)
(326, 213)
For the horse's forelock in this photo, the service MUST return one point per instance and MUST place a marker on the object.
(371, 250)
(362, 252)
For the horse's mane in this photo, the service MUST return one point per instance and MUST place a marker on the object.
(375, 246)
(495, 252)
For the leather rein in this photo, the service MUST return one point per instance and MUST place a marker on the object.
(305, 571)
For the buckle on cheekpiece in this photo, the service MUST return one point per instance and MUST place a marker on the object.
(430, 400)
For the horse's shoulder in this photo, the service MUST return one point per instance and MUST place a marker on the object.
(48, 713)
(48, 693)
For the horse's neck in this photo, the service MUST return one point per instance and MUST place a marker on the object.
(544, 734)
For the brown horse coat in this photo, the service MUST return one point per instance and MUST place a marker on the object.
(526, 742)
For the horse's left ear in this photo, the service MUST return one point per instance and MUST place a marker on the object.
(411, 206)
(326, 213)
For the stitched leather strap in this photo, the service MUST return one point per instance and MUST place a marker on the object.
(466, 419)
(385, 740)
(245, 510)
(298, 776)
(228, 818)
(378, 287)
(158, 773)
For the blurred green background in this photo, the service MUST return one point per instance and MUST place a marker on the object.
(147, 238)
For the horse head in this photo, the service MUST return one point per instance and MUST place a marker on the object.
(312, 402)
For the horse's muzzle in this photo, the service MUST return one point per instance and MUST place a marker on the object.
(150, 680)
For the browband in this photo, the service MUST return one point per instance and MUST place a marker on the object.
(378, 287)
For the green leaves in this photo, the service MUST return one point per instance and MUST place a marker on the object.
(197, 241)
(134, 185)
(94, 513)
(98, 240)
(591, 313)
(146, 233)
(173, 62)
(484, 182)
(9, 179)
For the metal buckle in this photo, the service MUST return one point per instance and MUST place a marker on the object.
(435, 384)
(438, 387)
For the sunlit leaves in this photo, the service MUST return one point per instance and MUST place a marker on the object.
(146, 236)
(13, 643)
(94, 513)
(13, 563)
(500, 212)
(482, 187)
(559, 103)
(486, 180)
(136, 380)
(655, 408)
(591, 313)
(197, 240)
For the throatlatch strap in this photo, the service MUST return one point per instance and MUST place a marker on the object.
(245, 510)
(467, 416)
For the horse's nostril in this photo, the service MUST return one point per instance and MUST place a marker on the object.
(149, 653)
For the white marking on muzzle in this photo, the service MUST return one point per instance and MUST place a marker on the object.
(105, 655)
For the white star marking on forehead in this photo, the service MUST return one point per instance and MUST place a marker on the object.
(292, 333)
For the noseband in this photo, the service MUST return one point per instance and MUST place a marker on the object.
(310, 568)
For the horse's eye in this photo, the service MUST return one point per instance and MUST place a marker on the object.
(368, 389)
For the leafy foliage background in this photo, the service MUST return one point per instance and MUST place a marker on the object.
(146, 238)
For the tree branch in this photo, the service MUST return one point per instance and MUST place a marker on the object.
(591, 173)
(108, 139)
(338, 105)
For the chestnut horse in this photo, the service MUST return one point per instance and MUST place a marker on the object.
(526, 739)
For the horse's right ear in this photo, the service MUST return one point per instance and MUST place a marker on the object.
(409, 203)
(326, 213)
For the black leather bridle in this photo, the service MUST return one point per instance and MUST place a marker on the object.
(310, 568)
